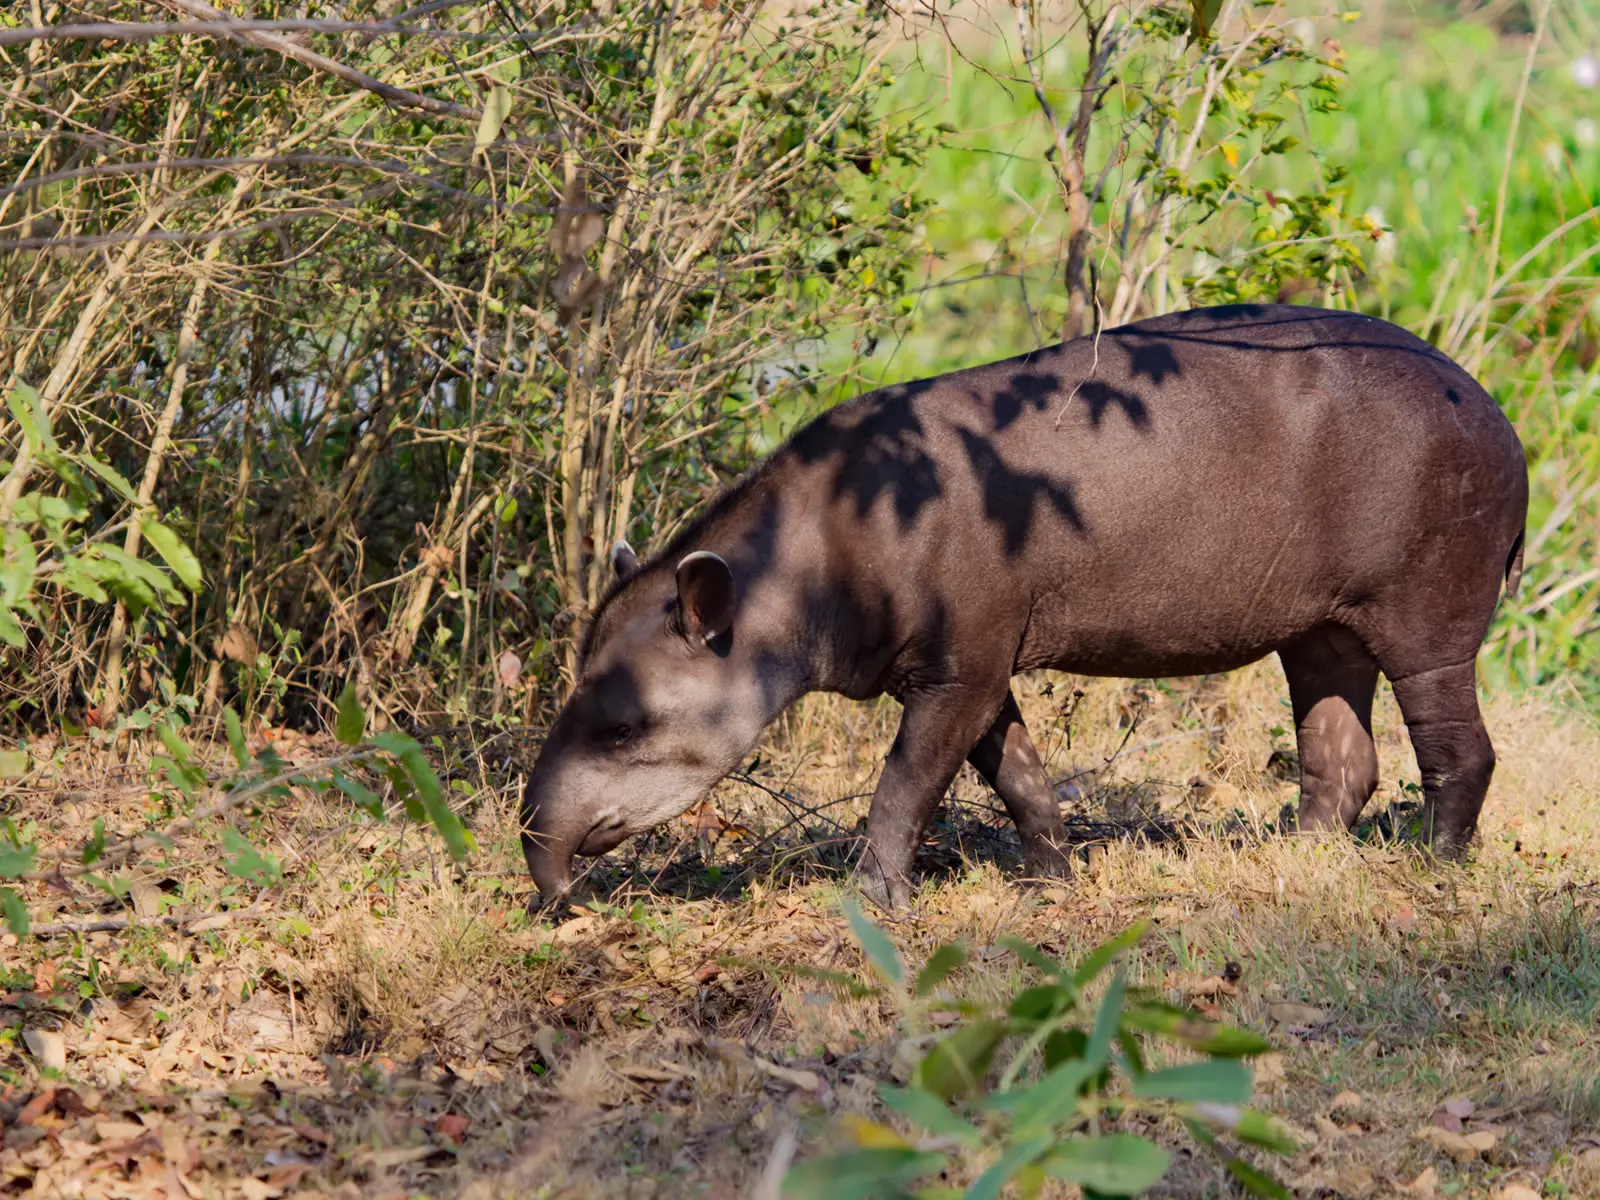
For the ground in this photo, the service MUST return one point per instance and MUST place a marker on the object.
(380, 1024)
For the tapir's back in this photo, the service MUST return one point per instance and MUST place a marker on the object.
(1190, 492)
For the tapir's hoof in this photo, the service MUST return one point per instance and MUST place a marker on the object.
(887, 894)
(1046, 860)
(547, 903)
(1449, 847)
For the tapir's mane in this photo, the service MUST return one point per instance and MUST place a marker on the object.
(684, 541)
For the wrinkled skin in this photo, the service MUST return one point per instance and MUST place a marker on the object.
(1181, 496)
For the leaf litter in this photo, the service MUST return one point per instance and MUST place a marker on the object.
(377, 1026)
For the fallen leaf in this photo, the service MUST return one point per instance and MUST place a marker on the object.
(116, 1132)
(570, 931)
(1453, 1144)
(1515, 1191)
(1460, 1106)
(37, 1107)
(1269, 1069)
(399, 1156)
(1481, 1140)
(452, 1126)
(1422, 1187)
(1447, 1121)
(48, 1046)
(1296, 1014)
(1345, 1099)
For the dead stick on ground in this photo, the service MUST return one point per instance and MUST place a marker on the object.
(198, 923)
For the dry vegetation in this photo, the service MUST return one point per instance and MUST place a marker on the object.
(376, 1025)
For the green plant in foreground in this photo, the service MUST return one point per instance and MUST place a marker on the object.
(1033, 1088)
(204, 804)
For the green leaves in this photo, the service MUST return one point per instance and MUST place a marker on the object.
(947, 958)
(247, 862)
(16, 912)
(495, 110)
(173, 552)
(1117, 1164)
(350, 724)
(1026, 1088)
(956, 1066)
(1220, 1081)
(880, 951)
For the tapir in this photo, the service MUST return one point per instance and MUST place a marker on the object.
(1178, 496)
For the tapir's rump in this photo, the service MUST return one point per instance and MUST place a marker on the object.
(1182, 495)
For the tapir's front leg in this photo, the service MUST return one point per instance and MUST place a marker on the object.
(937, 729)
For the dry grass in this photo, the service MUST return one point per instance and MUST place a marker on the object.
(657, 1047)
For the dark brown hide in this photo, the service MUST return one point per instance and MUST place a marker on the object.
(1183, 495)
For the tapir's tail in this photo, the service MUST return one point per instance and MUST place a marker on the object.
(1514, 566)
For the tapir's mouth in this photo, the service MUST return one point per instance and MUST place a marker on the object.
(601, 838)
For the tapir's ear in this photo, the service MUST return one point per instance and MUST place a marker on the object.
(705, 595)
(623, 560)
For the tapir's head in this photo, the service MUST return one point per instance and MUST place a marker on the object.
(666, 705)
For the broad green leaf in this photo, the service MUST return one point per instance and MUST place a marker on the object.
(96, 845)
(109, 474)
(365, 798)
(434, 804)
(988, 1185)
(16, 912)
(350, 724)
(1224, 1041)
(247, 862)
(395, 742)
(930, 1113)
(1256, 1181)
(10, 632)
(957, 1064)
(875, 943)
(74, 578)
(495, 110)
(174, 744)
(17, 568)
(1063, 1045)
(1117, 1164)
(947, 958)
(13, 764)
(28, 408)
(1053, 1099)
(1219, 1081)
(1246, 1124)
(16, 861)
(1100, 957)
(1106, 1022)
(1033, 956)
(869, 1173)
(235, 728)
(120, 570)
(172, 550)
(1047, 1002)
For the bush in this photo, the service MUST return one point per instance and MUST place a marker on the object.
(1032, 1087)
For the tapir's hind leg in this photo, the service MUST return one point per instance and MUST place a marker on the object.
(1331, 681)
(1006, 758)
(1454, 754)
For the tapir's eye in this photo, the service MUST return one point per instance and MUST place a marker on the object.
(621, 735)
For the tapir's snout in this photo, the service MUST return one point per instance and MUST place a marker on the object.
(550, 835)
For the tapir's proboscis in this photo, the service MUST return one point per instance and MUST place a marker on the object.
(1180, 496)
